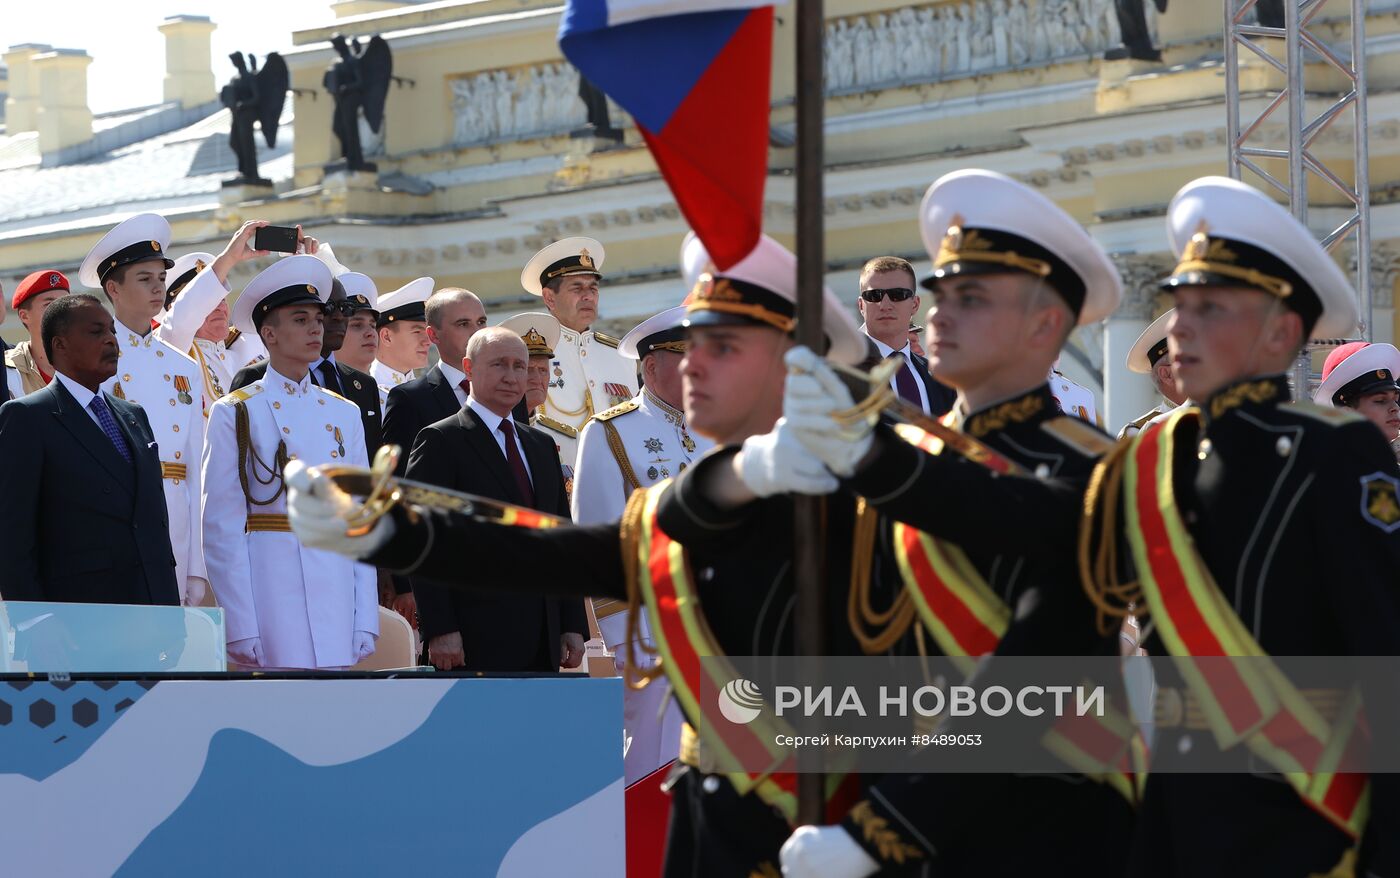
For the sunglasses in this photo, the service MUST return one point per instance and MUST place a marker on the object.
(897, 294)
(345, 308)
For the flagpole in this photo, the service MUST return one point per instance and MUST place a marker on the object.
(808, 555)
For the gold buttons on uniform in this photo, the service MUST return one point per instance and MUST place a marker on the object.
(1283, 446)
(172, 402)
(277, 405)
(127, 377)
(167, 377)
(286, 429)
(177, 455)
(320, 402)
(175, 427)
(160, 353)
(329, 428)
(333, 454)
(1203, 451)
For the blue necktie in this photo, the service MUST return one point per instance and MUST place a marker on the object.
(109, 425)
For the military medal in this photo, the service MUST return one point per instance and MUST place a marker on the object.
(651, 473)
(653, 445)
(339, 442)
(182, 388)
(688, 442)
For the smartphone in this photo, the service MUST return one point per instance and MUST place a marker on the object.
(282, 239)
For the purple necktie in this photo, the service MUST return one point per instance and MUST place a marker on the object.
(904, 381)
(109, 425)
(517, 463)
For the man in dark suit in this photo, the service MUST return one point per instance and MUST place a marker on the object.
(350, 383)
(482, 450)
(454, 315)
(94, 526)
(888, 300)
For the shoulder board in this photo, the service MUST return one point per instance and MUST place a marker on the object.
(244, 394)
(232, 337)
(621, 408)
(563, 429)
(329, 392)
(1079, 435)
(1143, 419)
(608, 340)
(1324, 413)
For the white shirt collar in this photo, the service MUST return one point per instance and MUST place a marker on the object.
(886, 350)
(454, 376)
(488, 417)
(80, 393)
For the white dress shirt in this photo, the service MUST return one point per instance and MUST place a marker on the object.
(81, 394)
(493, 423)
(886, 351)
(454, 377)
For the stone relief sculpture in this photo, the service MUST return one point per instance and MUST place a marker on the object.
(509, 104)
(945, 40)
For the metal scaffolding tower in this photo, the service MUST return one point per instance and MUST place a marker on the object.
(1289, 49)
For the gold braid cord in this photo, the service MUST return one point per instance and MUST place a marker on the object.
(634, 674)
(630, 482)
(1099, 566)
(246, 453)
(891, 624)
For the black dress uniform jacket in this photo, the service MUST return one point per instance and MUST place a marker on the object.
(1020, 533)
(1274, 495)
(355, 386)
(91, 527)
(742, 565)
(500, 631)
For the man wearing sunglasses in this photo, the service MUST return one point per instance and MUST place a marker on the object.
(887, 302)
(327, 372)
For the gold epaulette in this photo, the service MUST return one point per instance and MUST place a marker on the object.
(608, 340)
(621, 408)
(1325, 413)
(329, 392)
(1143, 419)
(244, 394)
(1079, 435)
(232, 337)
(563, 429)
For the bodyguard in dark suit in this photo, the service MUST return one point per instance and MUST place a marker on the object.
(888, 300)
(482, 450)
(93, 526)
(327, 372)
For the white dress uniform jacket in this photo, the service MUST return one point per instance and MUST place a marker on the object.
(166, 383)
(587, 375)
(387, 379)
(1074, 399)
(305, 604)
(649, 442)
(220, 360)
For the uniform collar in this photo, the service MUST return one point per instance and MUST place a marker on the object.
(1033, 406)
(279, 383)
(127, 337)
(567, 334)
(1250, 393)
(674, 415)
(381, 370)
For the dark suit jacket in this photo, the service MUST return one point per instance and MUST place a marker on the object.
(941, 397)
(414, 405)
(500, 631)
(90, 526)
(359, 388)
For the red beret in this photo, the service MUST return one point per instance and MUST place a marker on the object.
(38, 282)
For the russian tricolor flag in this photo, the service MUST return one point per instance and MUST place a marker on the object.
(694, 74)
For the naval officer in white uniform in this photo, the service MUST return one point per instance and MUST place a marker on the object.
(403, 336)
(286, 606)
(129, 265)
(587, 374)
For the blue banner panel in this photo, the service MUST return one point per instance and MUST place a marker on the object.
(506, 777)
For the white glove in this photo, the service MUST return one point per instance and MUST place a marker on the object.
(776, 463)
(810, 396)
(363, 646)
(824, 852)
(196, 587)
(316, 509)
(247, 651)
